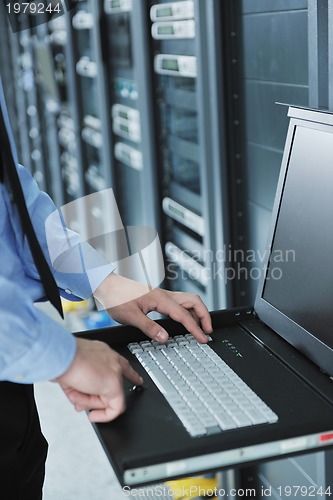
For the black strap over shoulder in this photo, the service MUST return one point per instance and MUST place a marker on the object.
(1, 169)
(7, 161)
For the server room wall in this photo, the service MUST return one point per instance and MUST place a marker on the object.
(269, 64)
(178, 118)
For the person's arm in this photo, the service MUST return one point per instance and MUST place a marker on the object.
(114, 292)
(77, 281)
(33, 346)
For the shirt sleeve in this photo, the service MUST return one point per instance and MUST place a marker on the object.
(27, 336)
(80, 268)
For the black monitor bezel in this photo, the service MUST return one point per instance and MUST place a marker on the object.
(313, 348)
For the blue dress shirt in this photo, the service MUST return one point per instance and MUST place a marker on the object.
(33, 347)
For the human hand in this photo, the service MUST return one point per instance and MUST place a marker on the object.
(94, 380)
(129, 302)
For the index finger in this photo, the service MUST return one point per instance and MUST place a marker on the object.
(191, 301)
(129, 373)
(182, 315)
(113, 407)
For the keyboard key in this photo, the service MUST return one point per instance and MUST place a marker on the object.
(145, 343)
(189, 337)
(225, 421)
(241, 419)
(135, 349)
(171, 343)
(213, 430)
(256, 416)
(161, 381)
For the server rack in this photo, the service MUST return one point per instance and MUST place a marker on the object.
(8, 43)
(33, 106)
(49, 77)
(129, 84)
(53, 85)
(124, 112)
(23, 102)
(87, 106)
(86, 66)
(66, 136)
(87, 112)
(26, 61)
(125, 47)
(188, 82)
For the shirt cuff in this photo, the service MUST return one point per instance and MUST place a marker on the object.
(81, 271)
(47, 358)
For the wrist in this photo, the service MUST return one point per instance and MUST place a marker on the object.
(116, 290)
(60, 379)
(105, 288)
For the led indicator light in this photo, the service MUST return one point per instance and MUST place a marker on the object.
(323, 438)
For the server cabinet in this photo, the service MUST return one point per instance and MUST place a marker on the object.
(31, 112)
(49, 75)
(125, 46)
(65, 146)
(26, 64)
(53, 82)
(87, 101)
(19, 91)
(10, 76)
(124, 113)
(191, 135)
(126, 55)
(88, 107)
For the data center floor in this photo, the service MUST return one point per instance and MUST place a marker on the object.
(77, 467)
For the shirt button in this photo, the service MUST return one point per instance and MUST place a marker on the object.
(67, 290)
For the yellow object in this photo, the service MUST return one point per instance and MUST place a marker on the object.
(69, 306)
(193, 487)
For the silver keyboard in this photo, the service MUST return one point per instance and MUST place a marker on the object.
(204, 392)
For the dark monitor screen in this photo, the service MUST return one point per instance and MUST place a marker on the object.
(296, 297)
(300, 276)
